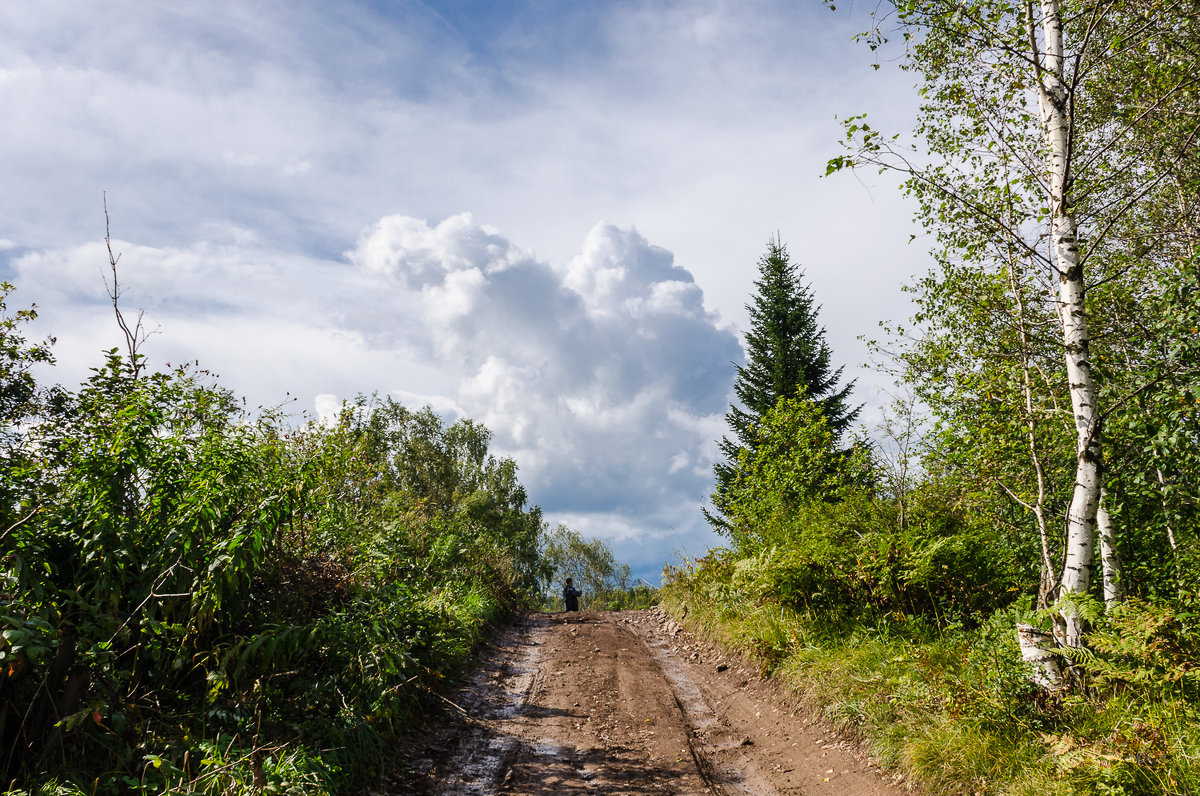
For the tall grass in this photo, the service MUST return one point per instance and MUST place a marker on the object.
(197, 601)
(952, 707)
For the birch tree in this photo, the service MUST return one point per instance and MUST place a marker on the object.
(1027, 143)
(1056, 97)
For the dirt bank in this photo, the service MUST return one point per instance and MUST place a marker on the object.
(625, 703)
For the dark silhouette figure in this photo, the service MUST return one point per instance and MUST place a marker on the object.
(571, 596)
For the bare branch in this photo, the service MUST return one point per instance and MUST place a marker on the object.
(138, 334)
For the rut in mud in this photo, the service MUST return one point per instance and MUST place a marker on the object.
(625, 703)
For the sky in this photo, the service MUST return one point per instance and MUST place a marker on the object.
(544, 215)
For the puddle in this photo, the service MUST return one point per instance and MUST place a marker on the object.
(479, 760)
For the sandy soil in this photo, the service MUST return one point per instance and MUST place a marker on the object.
(625, 703)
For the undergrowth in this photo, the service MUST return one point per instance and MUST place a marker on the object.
(951, 704)
(196, 600)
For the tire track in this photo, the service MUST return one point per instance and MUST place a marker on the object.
(624, 703)
(708, 739)
(496, 695)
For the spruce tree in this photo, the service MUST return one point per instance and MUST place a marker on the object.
(786, 352)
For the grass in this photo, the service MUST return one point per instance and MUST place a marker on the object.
(952, 708)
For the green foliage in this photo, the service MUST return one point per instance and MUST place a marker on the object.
(952, 706)
(1147, 650)
(195, 600)
(19, 402)
(634, 598)
(17, 386)
(593, 569)
(790, 463)
(812, 534)
(984, 349)
(786, 354)
(1155, 470)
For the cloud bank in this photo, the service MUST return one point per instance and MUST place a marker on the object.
(243, 150)
(604, 377)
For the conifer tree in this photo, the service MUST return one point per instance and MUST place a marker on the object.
(786, 353)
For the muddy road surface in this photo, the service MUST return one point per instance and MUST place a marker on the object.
(625, 703)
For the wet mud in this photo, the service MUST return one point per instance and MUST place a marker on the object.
(624, 703)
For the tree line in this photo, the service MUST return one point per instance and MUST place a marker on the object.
(197, 598)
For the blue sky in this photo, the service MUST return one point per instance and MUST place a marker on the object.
(543, 215)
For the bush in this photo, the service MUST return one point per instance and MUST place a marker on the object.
(196, 600)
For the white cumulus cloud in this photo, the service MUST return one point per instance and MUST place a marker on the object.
(604, 377)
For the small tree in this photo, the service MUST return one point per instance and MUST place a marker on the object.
(590, 563)
(19, 400)
(793, 463)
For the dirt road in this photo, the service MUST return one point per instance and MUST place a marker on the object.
(625, 703)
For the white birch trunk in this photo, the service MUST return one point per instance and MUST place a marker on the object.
(1162, 484)
(1054, 100)
(1038, 650)
(1110, 559)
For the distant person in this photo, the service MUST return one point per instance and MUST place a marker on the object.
(571, 596)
